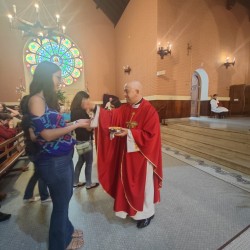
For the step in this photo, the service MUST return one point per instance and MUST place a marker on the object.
(242, 148)
(215, 150)
(216, 133)
(224, 157)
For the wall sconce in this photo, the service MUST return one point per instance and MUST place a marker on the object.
(126, 69)
(164, 52)
(228, 63)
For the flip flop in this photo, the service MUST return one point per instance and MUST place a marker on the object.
(80, 184)
(94, 186)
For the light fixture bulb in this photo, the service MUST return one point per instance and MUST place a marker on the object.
(14, 8)
(57, 18)
(37, 7)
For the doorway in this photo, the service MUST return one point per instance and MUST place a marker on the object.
(199, 91)
(195, 96)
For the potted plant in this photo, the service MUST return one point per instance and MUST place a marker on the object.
(61, 96)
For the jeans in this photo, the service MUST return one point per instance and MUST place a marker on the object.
(88, 159)
(42, 187)
(57, 173)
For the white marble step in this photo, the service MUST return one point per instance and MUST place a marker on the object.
(219, 155)
(225, 143)
(242, 137)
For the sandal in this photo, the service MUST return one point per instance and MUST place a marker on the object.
(75, 243)
(77, 234)
(94, 185)
(79, 184)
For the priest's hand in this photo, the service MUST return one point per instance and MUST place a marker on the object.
(123, 133)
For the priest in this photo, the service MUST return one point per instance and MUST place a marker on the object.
(130, 160)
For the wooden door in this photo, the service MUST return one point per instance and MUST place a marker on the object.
(237, 99)
(195, 96)
(247, 100)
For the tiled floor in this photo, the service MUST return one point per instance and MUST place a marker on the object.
(197, 212)
(228, 175)
(241, 124)
(239, 243)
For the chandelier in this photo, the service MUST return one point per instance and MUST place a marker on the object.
(37, 28)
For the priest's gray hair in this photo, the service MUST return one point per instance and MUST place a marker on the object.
(134, 85)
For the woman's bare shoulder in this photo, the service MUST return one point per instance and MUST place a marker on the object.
(36, 105)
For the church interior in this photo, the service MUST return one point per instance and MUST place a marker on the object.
(188, 55)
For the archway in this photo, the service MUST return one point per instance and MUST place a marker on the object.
(199, 90)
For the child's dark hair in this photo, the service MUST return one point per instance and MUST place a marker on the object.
(31, 147)
(77, 101)
(5, 116)
(4, 107)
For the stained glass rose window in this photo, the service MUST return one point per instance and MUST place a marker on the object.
(59, 50)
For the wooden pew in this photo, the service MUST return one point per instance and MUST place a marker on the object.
(11, 149)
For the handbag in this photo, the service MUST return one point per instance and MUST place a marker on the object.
(83, 147)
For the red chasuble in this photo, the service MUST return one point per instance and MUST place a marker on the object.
(123, 174)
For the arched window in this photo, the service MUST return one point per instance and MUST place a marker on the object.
(60, 50)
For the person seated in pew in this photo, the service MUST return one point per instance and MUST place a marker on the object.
(6, 127)
(12, 112)
(216, 108)
(6, 131)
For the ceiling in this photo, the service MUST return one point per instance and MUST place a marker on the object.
(113, 9)
(230, 3)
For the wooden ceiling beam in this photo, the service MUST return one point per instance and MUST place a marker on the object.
(113, 9)
(230, 4)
